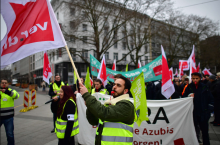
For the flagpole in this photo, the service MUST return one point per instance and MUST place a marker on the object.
(180, 70)
(71, 60)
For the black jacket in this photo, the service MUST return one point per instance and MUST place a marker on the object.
(150, 91)
(54, 105)
(203, 99)
(214, 88)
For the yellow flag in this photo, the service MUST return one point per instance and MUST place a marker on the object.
(75, 77)
(140, 101)
(126, 68)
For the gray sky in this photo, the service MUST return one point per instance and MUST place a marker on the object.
(210, 10)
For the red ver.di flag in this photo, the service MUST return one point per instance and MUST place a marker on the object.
(46, 70)
(184, 64)
(102, 72)
(31, 27)
(167, 88)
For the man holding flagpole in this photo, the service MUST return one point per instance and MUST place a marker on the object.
(115, 119)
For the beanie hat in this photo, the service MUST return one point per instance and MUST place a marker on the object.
(212, 77)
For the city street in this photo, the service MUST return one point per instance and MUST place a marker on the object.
(33, 127)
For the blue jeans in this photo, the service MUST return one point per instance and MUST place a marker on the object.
(9, 129)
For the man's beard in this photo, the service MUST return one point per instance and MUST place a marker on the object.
(118, 94)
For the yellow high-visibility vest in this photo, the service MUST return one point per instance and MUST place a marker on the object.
(55, 87)
(102, 91)
(61, 124)
(7, 102)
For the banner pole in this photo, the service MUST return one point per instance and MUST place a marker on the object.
(71, 60)
(92, 81)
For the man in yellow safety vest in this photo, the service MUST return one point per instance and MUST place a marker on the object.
(99, 87)
(7, 97)
(54, 90)
(115, 118)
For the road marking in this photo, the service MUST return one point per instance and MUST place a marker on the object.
(20, 105)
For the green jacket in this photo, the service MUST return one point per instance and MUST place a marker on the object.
(122, 111)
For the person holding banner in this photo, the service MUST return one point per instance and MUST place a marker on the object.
(54, 90)
(99, 88)
(7, 97)
(203, 105)
(67, 125)
(115, 118)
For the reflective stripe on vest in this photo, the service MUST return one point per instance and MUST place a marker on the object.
(102, 91)
(61, 124)
(65, 123)
(117, 139)
(63, 131)
(116, 132)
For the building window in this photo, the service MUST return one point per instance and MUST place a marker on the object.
(57, 15)
(73, 53)
(95, 54)
(85, 53)
(72, 24)
(132, 57)
(33, 66)
(124, 55)
(116, 56)
(50, 57)
(116, 45)
(33, 58)
(83, 14)
(153, 44)
(124, 45)
(72, 38)
(84, 39)
(84, 27)
(72, 12)
(70, 67)
(146, 59)
(132, 46)
(115, 35)
(83, 68)
(106, 30)
(145, 49)
(107, 55)
(53, 56)
(60, 52)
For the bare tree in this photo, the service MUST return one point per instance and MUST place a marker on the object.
(141, 28)
(180, 32)
(100, 21)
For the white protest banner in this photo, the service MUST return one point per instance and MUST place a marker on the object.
(170, 123)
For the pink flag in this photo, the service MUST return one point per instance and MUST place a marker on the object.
(91, 81)
(198, 68)
(171, 73)
(46, 70)
(192, 61)
(206, 72)
(180, 69)
(176, 73)
(102, 72)
(139, 64)
(114, 65)
(167, 88)
(31, 27)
